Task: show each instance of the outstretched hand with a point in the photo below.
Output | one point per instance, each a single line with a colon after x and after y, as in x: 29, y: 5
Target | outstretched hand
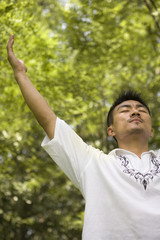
x: 17, y: 65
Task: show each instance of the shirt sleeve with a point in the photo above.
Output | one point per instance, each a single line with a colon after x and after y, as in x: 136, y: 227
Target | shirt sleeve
x: 69, y: 151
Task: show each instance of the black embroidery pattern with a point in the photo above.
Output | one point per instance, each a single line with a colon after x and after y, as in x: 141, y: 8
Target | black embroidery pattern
x: 144, y: 179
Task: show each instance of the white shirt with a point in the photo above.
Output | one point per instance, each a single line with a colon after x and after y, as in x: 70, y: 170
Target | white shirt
x: 121, y: 191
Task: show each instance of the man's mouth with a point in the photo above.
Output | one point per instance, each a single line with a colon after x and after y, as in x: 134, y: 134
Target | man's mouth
x: 135, y: 120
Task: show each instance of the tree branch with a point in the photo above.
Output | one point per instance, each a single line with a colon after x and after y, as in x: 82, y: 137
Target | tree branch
x: 154, y: 5
x: 148, y: 5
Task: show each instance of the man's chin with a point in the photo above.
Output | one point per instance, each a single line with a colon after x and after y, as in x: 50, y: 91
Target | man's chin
x: 136, y: 130
x: 139, y: 132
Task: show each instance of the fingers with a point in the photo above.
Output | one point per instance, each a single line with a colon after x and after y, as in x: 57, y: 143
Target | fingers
x: 10, y: 43
x: 11, y: 56
x: 17, y: 65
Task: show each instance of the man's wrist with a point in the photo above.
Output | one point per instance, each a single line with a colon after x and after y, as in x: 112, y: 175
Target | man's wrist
x: 19, y: 74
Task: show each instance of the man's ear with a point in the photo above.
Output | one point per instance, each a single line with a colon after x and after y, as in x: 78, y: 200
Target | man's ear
x: 151, y: 133
x: 110, y: 131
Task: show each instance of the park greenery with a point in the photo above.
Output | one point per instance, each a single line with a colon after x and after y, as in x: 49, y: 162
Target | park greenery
x: 80, y: 54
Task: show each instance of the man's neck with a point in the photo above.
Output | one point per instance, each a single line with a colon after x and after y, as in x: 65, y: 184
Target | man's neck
x: 135, y: 145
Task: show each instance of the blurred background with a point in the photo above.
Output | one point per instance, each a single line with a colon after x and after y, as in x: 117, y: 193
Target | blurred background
x: 80, y: 55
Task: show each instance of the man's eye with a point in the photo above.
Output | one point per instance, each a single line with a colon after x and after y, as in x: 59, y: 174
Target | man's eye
x: 124, y: 111
x: 143, y: 111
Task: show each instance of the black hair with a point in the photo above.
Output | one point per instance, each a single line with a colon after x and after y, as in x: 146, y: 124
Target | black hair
x: 127, y: 95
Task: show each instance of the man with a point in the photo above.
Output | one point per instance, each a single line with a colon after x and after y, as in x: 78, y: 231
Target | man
x: 121, y: 189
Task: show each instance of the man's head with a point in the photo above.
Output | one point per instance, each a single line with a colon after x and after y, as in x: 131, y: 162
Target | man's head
x: 128, y: 106
x: 127, y: 95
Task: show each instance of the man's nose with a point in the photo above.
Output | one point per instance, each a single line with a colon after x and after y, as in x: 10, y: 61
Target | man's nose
x: 135, y: 113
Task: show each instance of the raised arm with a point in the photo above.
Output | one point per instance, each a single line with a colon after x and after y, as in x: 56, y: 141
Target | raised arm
x: 38, y: 105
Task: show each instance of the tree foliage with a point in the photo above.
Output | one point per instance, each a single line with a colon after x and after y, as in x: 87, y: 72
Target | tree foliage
x: 80, y: 55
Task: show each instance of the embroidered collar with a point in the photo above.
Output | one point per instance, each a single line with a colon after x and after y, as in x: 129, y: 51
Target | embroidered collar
x: 144, y: 179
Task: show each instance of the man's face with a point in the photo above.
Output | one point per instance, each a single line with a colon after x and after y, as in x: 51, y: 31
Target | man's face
x: 130, y: 117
